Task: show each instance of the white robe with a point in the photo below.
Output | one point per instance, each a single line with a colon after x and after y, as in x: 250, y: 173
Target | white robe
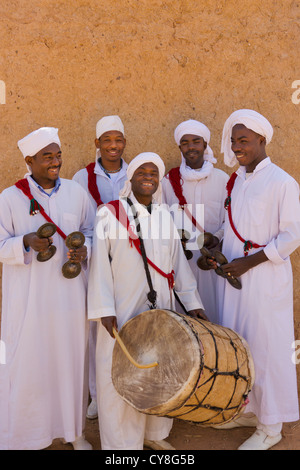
x: 265, y: 209
x: 44, y: 322
x: 120, y: 288
x: 210, y: 192
x: 109, y: 189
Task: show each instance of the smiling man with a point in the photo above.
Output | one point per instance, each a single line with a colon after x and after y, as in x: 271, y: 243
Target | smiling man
x: 262, y: 229
x: 119, y: 290
x: 43, y: 388
x: 199, y: 188
x: 103, y: 179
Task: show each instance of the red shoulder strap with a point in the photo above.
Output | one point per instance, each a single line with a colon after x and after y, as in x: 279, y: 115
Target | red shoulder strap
x: 176, y: 182
x: 248, y: 244
x: 35, y: 207
x: 92, y: 183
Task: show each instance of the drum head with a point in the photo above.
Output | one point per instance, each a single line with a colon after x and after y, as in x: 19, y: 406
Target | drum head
x: 157, y: 336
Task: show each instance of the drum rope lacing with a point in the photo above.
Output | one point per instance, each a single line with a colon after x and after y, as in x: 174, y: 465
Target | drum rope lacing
x: 215, y: 373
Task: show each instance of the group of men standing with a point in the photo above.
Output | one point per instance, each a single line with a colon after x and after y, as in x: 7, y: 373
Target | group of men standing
x: 124, y: 212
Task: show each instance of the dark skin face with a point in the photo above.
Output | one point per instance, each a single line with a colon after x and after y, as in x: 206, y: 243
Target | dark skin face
x: 111, y: 145
x: 248, y: 147
x: 45, y: 165
x: 192, y: 148
x: 144, y: 182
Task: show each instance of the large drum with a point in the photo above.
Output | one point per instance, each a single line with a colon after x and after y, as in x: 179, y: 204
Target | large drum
x: 204, y: 373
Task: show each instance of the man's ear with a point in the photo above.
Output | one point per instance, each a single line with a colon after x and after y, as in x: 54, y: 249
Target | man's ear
x: 28, y: 160
x: 97, y: 143
x: 263, y: 140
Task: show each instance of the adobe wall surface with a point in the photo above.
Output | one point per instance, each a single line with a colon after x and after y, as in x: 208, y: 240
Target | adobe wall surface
x: 153, y: 62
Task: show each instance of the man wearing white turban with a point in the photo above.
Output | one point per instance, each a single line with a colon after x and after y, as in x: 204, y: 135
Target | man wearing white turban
x: 103, y: 179
x: 200, y: 188
x: 118, y: 290
x: 43, y: 387
x: 262, y: 229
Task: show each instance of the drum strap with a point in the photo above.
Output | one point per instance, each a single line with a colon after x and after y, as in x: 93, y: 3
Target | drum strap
x: 35, y: 207
x: 152, y: 295
x: 92, y: 184
x: 116, y: 207
x: 176, y: 183
x: 248, y: 244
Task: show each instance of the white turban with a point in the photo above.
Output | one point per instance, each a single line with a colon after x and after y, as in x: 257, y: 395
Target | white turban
x: 253, y: 121
x: 109, y: 123
x: 37, y: 140
x: 195, y: 128
x: 144, y: 157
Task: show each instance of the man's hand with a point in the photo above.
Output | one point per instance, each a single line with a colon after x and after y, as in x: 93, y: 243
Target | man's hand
x: 36, y: 243
x: 109, y: 323
x: 239, y: 266
x: 77, y: 255
x: 198, y: 313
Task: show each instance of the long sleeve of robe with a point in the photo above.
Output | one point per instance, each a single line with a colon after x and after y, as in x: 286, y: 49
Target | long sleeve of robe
x: 205, y: 199
x: 266, y: 210
x: 118, y: 286
x: 43, y: 322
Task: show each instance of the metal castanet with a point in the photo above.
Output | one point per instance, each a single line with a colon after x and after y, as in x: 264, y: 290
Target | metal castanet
x: 185, y: 236
x: 218, y: 256
x: 46, y: 230
x: 72, y: 269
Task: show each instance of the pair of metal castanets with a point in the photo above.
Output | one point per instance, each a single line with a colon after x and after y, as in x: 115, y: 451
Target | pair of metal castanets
x: 205, y: 239
x: 219, y: 258
x: 74, y: 240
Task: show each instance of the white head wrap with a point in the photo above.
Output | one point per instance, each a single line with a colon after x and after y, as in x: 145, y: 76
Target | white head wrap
x: 253, y: 121
x: 144, y: 157
x: 37, y: 140
x: 195, y: 128
x: 106, y: 124
x: 109, y: 123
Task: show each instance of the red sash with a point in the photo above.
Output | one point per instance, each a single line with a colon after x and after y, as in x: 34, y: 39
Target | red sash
x: 176, y: 182
x: 248, y: 244
x: 92, y: 184
x: 35, y: 207
x: 116, y: 207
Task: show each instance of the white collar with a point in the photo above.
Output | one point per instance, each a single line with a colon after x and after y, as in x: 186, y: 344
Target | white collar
x: 261, y: 165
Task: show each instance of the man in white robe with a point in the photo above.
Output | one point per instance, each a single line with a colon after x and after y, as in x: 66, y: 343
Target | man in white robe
x: 118, y: 291
x: 262, y: 229
x: 103, y: 180
x: 43, y: 388
x: 204, y: 189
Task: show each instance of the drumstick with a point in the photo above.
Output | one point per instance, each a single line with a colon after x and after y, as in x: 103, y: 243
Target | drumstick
x: 123, y: 347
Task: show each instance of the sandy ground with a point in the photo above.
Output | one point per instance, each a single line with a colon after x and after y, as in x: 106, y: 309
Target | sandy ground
x: 185, y: 436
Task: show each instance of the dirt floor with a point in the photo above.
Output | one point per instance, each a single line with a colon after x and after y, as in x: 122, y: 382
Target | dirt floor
x: 185, y: 436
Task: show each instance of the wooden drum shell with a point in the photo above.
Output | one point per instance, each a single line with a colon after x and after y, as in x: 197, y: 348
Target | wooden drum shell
x: 204, y: 374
